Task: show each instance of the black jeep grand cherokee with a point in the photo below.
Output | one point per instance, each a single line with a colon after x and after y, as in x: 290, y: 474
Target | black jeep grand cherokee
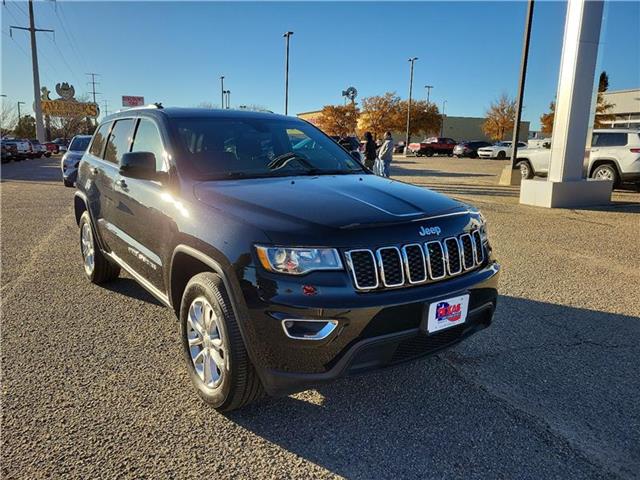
x: 287, y: 263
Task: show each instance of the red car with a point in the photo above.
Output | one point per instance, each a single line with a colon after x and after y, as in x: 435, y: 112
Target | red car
x: 432, y: 146
x: 52, y: 147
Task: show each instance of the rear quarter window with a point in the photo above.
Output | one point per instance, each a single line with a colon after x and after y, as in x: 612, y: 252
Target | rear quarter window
x: 99, y: 140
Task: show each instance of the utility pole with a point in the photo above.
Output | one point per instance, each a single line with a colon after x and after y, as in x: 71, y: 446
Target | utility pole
x: 406, y: 143
x: 222, y: 91
x: 93, y: 84
x: 442, y: 123
x: 287, y: 36
x: 37, y: 104
x: 523, y: 76
x: 106, y: 107
x: 19, y: 103
x: 428, y: 87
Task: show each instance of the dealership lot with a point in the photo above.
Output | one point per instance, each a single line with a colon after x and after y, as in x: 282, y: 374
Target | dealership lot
x: 94, y: 383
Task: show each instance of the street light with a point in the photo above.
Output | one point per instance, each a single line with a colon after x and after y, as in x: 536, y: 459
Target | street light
x: 406, y: 143
x: 19, y: 103
x: 228, y: 92
x: 442, y: 122
x: 221, y: 91
x: 428, y: 87
x: 286, y: 35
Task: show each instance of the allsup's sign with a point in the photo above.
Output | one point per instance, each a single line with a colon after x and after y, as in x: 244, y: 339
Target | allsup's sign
x: 66, y: 105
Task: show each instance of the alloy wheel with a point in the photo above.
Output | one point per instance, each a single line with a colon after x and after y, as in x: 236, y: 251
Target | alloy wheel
x: 604, y: 174
x: 206, y: 347
x: 88, y: 249
x: 524, y: 170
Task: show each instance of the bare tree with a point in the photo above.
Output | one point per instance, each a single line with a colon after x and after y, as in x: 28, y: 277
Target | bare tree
x: 8, y: 118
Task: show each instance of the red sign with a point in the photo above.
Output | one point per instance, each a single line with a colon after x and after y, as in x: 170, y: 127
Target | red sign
x: 129, y: 101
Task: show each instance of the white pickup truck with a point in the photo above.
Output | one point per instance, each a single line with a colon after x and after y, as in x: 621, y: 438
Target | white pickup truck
x: 23, y: 148
x: 614, y: 155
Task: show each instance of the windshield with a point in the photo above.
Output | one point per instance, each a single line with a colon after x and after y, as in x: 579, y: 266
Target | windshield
x: 218, y: 148
x: 79, y: 144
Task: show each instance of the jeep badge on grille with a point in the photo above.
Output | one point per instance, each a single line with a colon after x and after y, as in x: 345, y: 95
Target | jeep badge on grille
x: 425, y: 231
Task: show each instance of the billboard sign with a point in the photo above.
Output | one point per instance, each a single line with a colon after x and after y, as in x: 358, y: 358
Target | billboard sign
x: 129, y: 101
x: 66, y: 106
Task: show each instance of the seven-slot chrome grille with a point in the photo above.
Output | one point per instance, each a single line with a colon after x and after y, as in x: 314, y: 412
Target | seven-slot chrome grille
x: 415, y: 263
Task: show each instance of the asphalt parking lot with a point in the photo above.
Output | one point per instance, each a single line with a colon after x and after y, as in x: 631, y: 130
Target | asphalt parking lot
x: 94, y: 386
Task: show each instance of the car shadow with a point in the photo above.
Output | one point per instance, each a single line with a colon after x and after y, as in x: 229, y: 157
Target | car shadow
x: 543, y: 377
x: 397, y: 171
x: 131, y: 288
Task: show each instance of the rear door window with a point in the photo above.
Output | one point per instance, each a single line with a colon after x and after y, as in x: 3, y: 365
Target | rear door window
x: 605, y: 139
x: 99, y: 140
x: 119, y: 140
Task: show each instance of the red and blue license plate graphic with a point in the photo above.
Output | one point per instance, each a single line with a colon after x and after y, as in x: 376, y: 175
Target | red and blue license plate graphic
x: 447, y: 312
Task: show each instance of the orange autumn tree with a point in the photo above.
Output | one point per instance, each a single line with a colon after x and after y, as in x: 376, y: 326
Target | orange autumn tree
x: 340, y: 120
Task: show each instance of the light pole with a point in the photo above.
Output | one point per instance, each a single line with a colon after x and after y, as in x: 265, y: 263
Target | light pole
x: 222, y: 91
x: 286, y: 35
x: 442, y: 122
x: 523, y: 76
x: 406, y: 143
x: 19, y: 103
x: 428, y: 87
x: 228, y: 92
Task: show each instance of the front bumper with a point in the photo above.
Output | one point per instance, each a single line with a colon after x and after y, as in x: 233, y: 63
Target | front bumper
x: 374, y: 330
x: 485, y: 154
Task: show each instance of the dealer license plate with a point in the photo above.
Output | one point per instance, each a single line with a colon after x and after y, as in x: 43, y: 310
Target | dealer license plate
x: 447, y: 313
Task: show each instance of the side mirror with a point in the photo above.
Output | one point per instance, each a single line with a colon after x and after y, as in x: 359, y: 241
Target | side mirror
x: 546, y: 145
x: 139, y: 165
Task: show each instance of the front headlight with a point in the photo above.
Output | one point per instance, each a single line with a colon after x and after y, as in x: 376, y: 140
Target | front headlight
x: 298, y: 261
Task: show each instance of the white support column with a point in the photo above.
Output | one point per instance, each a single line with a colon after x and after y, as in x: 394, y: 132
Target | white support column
x: 565, y: 185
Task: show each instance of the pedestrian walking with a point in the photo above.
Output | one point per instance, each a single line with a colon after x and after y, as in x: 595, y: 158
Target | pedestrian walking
x: 370, y: 151
x: 385, y: 155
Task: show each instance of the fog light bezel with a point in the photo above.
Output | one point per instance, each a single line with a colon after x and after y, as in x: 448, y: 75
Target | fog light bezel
x: 322, y: 333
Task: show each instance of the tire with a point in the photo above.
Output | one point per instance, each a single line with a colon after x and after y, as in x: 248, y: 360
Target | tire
x: 606, y: 171
x: 67, y: 183
x: 501, y: 155
x: 526, y: 172
x: 97, y: 267
x: 429, y: 153
x: 231, y: 381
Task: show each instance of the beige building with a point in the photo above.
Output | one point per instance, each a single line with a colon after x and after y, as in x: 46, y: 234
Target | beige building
x: 626, y: 108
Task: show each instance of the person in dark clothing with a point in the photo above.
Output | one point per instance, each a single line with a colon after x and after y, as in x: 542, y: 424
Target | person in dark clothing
x: 370, y: 151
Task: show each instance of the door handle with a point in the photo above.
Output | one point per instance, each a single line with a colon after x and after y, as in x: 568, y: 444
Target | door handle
x: 93, y: 170
x: 121, y: 183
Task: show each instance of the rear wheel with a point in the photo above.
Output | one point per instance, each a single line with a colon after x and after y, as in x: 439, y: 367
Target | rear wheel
x: 606, y: 172
x: 217, y: 359
x: 526, y: 171
x: 97, y: 267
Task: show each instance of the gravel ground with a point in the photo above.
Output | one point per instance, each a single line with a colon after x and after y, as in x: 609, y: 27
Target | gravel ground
x: 93, y: 384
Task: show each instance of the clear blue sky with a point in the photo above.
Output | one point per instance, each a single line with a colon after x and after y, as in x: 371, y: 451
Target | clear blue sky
x: 174, y: 52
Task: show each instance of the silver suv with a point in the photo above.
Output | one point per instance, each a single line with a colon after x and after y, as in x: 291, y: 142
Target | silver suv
x: 614, y: 155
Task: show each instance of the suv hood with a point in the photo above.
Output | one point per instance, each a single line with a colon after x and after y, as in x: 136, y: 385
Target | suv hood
x: 330, y: 201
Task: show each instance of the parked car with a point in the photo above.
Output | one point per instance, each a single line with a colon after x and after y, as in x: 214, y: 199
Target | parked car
x: 39, y: 149
x: 53, y: 148
x: 9, y: 151
x: 432, y: 146
x: 71, y: 159
x: 614, y: 155
x: 287, y: 267
x: 499, y: 150
x: 22, y: 148
x: 469, y: 149
x: 62, y: 143
x: 398, y: 147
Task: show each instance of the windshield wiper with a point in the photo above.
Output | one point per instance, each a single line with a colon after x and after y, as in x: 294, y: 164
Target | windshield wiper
x: 280, y: 160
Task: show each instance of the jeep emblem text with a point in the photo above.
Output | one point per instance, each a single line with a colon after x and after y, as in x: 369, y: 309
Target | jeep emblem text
x: 424, y: 231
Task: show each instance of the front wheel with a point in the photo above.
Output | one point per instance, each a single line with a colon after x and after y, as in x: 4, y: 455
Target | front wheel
x: 606, y: 172
x: 97, y: 267
x: 501, y: 155
x: 217, y: 359
x: 429, y: 153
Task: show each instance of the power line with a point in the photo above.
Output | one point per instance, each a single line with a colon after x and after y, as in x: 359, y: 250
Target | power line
x: 69, y: 34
